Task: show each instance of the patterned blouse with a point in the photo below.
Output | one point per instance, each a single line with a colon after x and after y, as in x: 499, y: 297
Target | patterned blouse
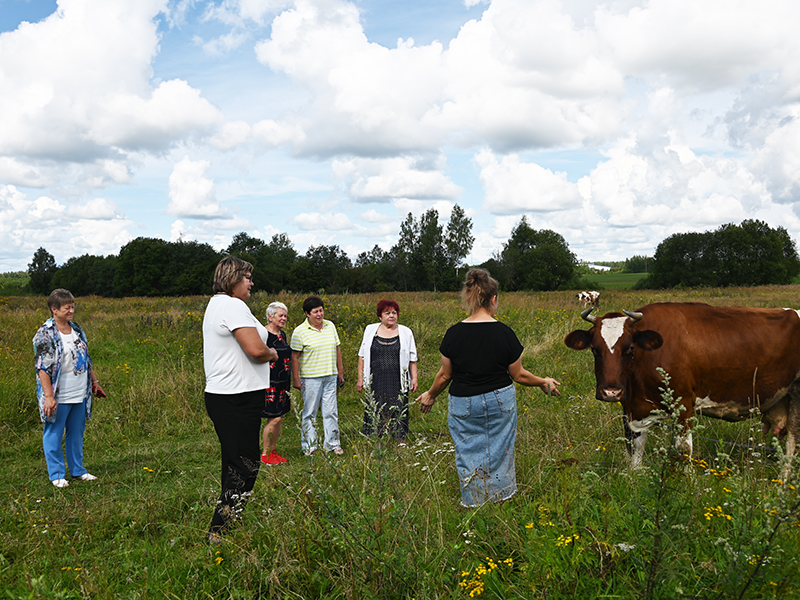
x: 47, y: 348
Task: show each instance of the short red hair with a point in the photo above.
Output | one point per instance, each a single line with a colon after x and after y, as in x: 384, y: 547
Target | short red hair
x: 384, y: 304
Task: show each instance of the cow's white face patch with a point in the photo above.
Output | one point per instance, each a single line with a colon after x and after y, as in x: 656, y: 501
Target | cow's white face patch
x: 611, y: 330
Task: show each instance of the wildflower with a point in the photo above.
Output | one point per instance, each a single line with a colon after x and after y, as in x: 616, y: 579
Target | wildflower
x: 565, y: 541
x: 711, y: 511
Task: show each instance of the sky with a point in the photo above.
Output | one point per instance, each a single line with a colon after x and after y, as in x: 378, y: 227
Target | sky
x: 615, y: 124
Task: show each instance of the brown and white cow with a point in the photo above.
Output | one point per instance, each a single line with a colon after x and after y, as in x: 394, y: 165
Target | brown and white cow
x: 723, y: 362
x: 589, y: 299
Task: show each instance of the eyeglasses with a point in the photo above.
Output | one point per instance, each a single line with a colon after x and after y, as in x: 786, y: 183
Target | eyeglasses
x: 248, y: 276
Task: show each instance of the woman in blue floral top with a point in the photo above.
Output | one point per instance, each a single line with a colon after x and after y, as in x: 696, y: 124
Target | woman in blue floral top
x: 65, y: 383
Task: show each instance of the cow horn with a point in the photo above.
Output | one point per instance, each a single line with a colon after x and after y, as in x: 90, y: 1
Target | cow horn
x: 633, y: 315
x: 587, y: 316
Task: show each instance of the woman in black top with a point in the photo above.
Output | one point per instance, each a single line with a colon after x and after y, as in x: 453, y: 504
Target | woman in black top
x: 277, y: 401
x: 483, y: 358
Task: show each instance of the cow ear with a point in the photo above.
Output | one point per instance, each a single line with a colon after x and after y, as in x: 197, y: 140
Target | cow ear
x: 578, y: 339
x: 648, y: 339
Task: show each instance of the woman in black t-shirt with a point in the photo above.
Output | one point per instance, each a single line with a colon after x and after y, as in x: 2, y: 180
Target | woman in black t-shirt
x: 483, y: 358
x: 277, y: 401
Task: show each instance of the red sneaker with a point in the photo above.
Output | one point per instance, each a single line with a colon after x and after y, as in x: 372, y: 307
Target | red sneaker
x: 273, y: 459
x: 264, y: 459
x: 277, y: 457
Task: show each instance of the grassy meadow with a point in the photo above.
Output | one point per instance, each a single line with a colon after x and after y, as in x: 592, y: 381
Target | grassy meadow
x: 381, y: 521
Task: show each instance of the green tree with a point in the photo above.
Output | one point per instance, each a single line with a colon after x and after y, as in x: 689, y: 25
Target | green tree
x: 140, y: 267
x: 275, y: 262
x: 402, y: 254
x: 427, y: 256
x: 372, y: 272
x: 748, y: 254
x: 684, y: 259
x: 190, y: 269
x: 430, y: 257
x: 243, y: 243
x: 41, y: 270
x: 87, y: 275
x: 636, y: 264
x: 154, y: 267
x: 536, y: 260
x: 458, y: 241
x: 322, y: 267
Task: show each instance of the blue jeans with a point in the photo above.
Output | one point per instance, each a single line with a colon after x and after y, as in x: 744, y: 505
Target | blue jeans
x: 484, y: 430
x: 70, y: 418
x: 320, y: 391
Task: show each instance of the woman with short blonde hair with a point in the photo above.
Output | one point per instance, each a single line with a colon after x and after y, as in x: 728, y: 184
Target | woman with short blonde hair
x: 235, y: 358
x: 483, y: 358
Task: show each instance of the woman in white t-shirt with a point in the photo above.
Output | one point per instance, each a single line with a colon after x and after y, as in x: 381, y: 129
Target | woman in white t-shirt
x: 65, y: 383
x: 236, y: 360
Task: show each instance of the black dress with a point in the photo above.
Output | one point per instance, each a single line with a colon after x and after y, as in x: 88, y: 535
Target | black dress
x: 387, y: 404
x: 277, y: 402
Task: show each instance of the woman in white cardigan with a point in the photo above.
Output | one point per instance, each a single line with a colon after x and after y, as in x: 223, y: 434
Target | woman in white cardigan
x: 387, y: 372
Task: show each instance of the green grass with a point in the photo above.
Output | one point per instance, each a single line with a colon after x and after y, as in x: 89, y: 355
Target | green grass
x: 379, y: 522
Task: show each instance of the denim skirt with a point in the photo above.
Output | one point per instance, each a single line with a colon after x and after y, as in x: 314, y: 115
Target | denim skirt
x: 484, y: 430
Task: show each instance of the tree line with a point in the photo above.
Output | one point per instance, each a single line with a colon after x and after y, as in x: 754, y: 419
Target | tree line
x: 428, y: 256
x: 733, y: 255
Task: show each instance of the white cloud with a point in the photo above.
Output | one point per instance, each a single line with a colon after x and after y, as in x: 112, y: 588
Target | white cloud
x: 523, y: 75
x: 701, y: 44
x: 96, y: 209
x: 274, y: 133
x: 237, y: 12
x: 512, y: 186
x: 192, y: 194
x: 380, y: 180
x: 231, y: 135
x: 66, y: 230
x: 373, y: 216
x: 323, y: 222
x: 77, y: 89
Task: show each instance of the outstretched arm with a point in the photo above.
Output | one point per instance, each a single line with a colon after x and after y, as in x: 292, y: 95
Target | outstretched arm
x: 440, y: 382
x: 524, y: 377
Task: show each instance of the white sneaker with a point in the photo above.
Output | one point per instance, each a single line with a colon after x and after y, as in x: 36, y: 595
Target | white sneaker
x: 86, y: 477
x: 60, y: 483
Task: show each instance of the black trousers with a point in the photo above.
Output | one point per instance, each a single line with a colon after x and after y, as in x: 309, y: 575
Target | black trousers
x: 237, y: 420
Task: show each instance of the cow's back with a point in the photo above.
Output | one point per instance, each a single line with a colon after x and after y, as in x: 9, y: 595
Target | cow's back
x: 729, y: 358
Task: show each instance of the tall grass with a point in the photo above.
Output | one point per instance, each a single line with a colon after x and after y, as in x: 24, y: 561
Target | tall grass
x: 381, y: 521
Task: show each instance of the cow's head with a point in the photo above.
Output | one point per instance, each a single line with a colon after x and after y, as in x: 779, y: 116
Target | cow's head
x: 613, y: 338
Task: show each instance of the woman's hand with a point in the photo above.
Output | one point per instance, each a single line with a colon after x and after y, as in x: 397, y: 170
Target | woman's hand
x: 426, y: 402
x: 360, y: 385
x: 550, y: 386
x: 50, y: 406
x: 97, y: 390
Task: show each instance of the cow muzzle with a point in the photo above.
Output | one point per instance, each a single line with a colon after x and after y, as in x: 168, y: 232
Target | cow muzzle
x: 610, y: 394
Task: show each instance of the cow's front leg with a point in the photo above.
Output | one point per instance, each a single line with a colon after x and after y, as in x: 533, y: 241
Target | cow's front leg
x: 639, y: 442
x: 684, y: 443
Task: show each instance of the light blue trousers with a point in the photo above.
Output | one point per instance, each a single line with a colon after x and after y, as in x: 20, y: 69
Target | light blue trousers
x: 484, y: 431
x: 320, y: 392
x: 70, y: 419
